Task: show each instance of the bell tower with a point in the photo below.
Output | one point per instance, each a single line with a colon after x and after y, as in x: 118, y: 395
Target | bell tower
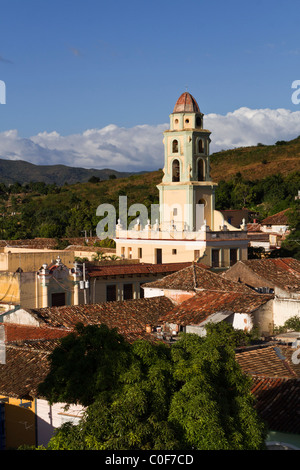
x: 186, y: 192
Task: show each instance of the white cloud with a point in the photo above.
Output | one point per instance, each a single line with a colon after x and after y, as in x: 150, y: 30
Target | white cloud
x: 141, y: 147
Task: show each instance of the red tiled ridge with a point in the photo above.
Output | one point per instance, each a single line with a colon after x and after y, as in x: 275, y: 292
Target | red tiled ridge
x: 17, y: 332
x: 282, y: 272
x: 128, y: 316
x: 198, y: 308
x: 194, y: 278
x: 139, y: 268
x: 281, y: 218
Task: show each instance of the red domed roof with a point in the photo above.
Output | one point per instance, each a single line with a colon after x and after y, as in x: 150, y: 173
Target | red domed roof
x: 186, y: 104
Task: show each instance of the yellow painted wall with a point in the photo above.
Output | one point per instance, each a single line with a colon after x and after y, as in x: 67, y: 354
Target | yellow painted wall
x: 31, y: 260
x: 20, y: 427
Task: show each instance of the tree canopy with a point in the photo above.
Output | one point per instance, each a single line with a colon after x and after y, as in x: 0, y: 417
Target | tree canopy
x: 152, y: 396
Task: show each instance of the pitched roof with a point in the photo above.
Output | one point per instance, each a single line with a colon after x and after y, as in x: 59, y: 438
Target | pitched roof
x: 199, y: 308
x: 130, y: 317
x: 194, y: 278
x: 23, y: 371
x: 281, y: 218
x: 272, y: 361
x: 132, y: 269
x: 281, y: 272
x: 275, y: 385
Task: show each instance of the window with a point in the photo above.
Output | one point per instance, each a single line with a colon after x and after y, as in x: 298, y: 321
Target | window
x: 175, y: 211
x: 215, y: 258
x: 200, y: 169
x: 198, y: 121
x: 158, y: 255
x: 111, y: 293
x: 174, y: 251
x: 128, y: 291
x: 233, y: 256
x: 175, y: 171
x: 200, y: 146
x: 140, y: 252
x: 175, y: 146
x: 58, y: 299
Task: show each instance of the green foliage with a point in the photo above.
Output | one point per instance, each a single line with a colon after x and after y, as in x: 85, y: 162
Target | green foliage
x: 192, y: 395
x: 265, y: 196
x: 87, y: 363
x: 292, y: 324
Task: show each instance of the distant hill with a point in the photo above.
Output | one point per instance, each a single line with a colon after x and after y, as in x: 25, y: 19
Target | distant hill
x: 254, y: 163
x: 257, y: 162
x: 12, y: 171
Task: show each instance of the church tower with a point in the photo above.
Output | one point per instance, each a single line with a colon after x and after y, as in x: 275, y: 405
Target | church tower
x: 188, y: 227
x: 186, y: 193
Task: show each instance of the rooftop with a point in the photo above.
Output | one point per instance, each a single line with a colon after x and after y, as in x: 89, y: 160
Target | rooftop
x: 194, y: 278
x: 275, y: 385
x: 138, y: 268
x: 186, y: 103
x: 130, y: 317
x: 199, y: 308
x: 281, y: 272
x: 281, y: 218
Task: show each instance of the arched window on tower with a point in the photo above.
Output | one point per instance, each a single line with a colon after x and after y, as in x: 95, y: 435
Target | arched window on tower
x: 200, y: 170
x: 200, y: 146
x: 175, y: 171
x: 175, y: 146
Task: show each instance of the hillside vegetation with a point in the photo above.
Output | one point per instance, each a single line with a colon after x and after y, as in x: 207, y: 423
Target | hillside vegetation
x: 257, y: 162
x: 53, y: 211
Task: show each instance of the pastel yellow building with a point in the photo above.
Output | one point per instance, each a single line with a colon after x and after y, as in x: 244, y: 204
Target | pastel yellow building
x: 187, y: 228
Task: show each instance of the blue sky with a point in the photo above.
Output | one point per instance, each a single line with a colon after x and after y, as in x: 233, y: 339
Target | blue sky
x: 72, y: 66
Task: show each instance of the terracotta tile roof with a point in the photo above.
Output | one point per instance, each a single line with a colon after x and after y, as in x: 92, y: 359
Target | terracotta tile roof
x: 281, y: 272
x: 195, y: 278
x: 281, y: 218
x: 253, y: 227
x: 275, y: 385
x: 24, y: 370
x: 197, y: 309
x: 186, y: 103
x: 17, y: 332
x: 278, y: 403
x: 130, y: 317
x: 132, y: 269
x: 268, y: 361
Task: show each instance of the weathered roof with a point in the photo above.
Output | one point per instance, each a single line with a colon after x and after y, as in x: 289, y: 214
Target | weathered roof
x: 130, y: 317
x: 194, y: 278
x: 271, y: 361
x: 281, y: 272
x: 281, y: 218
x: 275, y: 385
x: 134, y: 269
x: 200, y: 307
x: 186, y: 103
x: 24, y: 370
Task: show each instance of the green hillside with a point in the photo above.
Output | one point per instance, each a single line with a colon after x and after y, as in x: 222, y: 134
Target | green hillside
x: 257, y: 162
x: 12, y: 171
x: 265, y: 179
